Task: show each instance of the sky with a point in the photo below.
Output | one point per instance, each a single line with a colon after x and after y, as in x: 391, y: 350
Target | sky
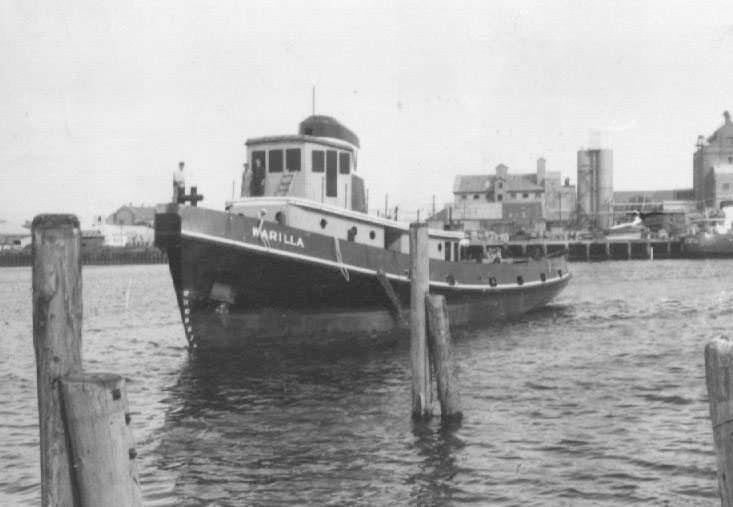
x: 100, y: 100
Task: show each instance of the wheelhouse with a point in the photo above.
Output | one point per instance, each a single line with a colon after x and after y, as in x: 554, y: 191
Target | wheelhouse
x: 309, y: 181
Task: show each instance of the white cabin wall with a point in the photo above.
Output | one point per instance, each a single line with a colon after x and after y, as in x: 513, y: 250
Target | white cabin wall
x: 335, y: 226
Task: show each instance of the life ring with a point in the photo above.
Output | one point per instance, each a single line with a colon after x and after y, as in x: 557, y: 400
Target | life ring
x: 520, y: 280
x: 492, y: 281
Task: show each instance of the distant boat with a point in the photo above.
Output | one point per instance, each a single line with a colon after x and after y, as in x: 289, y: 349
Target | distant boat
x: 631, y: 230
x: 711, y: 237
x: 298, y: 257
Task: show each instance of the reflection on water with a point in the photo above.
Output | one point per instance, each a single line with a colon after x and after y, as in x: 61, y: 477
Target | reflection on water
x: 597, y: 399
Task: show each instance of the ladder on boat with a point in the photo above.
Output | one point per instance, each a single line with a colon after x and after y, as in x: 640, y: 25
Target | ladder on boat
x: 285, y: 183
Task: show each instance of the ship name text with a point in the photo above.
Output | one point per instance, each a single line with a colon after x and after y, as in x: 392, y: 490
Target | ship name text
x: 278, y: 237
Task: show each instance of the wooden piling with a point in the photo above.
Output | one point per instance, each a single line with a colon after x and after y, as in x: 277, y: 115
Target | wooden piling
x: 419, y: 287
x: 100, y: 441
x: 719, y: 380
x: 57, y: 314
x: 440, y: 352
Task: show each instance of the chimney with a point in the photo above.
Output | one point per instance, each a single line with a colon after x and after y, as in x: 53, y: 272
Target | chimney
x: 726, y: 115
x: 540, y: 171
x: 501, y: 171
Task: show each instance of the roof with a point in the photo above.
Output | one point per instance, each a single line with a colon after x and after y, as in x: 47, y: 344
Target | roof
x: 8, y: 229
x: 296, y: 138
x: 139, y: 213
x: 325, y: 126
x: 472, y: 183
x: 478, y: 183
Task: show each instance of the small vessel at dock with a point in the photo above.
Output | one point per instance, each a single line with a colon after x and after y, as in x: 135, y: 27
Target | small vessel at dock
x: 711, y: 237
x: 298, y: 257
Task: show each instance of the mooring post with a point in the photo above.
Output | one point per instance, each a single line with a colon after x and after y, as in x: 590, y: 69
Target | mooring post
x: 719, y: 380
x: 57, y: 310
x: 587, y: 251
x: 101, y: 445
x: 419, y: 287
x: 440, y: 352
x: 628, y: 250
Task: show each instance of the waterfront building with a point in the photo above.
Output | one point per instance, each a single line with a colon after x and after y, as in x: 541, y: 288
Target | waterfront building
x: 712, y: 166
x: 507, y: 203
x: 13, y: 237
x: 595, y: 188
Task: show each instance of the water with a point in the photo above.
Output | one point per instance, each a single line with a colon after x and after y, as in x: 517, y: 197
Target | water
x: 599, y: 399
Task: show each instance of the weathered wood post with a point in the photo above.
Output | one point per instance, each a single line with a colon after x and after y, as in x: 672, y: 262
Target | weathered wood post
x: 628, y: 250
x: 608, y: 250
x: 440, y: 351
x: 419, y: 287
x: 719, y: 380
x: 57, y: 311
x: 587, y: 251
x: 101, y: 445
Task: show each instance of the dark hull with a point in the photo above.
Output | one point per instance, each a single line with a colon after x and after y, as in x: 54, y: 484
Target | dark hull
x: 233, y: 289
x: 716, y: 246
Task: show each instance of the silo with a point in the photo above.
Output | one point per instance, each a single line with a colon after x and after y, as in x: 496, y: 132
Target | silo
x: 604, y: 189
x: 585, y: 194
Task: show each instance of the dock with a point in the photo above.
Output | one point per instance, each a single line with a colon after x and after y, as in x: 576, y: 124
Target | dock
x: 597, y: 249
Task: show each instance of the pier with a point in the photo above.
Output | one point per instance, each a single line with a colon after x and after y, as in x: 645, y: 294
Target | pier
x: 597, y: 249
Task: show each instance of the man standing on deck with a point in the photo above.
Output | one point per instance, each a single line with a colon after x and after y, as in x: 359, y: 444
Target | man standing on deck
x: 179, y: 183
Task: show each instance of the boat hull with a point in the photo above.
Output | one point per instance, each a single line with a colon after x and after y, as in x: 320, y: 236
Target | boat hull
x: 712, y: 246
x: 234, y: 288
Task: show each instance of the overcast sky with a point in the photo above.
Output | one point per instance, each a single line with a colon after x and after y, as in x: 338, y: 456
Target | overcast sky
x: 100, y: 100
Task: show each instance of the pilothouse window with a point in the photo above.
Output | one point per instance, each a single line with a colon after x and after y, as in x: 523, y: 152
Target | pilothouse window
x: 276, y: 161
x: 344, y: 162
x: 318, y: 161
x: 292, y: 159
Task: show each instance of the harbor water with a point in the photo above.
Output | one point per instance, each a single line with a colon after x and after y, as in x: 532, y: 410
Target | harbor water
x: 598, y: 399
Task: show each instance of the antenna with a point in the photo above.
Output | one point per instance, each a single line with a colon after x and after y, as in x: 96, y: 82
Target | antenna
x: 313, y: 101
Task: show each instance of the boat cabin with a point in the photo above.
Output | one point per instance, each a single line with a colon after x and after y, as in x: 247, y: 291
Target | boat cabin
x: 308, y: 181
x: 319, y: 164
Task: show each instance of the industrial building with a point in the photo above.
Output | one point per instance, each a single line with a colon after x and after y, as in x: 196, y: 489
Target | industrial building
x: 712, y: 166
x: 595, y: 188
x: 509, y: 203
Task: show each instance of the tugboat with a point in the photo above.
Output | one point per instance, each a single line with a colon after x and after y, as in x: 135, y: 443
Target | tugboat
x: 711, y: 237
x: 299, y: 258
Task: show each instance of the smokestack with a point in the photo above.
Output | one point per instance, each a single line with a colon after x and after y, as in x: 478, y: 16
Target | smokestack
x: 726, y: 115
x: 540, y: 170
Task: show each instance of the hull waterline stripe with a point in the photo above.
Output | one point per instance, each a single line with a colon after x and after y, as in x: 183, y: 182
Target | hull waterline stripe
x: 359, y: 269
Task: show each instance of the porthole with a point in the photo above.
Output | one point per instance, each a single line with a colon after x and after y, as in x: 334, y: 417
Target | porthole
x: 440, y: 247
x: 323, y: 223
x: 559, y: 273
x: 279, y: 217
x: 372, y: 235
x: 543, y: 277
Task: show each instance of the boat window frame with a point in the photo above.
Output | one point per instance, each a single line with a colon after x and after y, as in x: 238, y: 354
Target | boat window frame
x: 270, y: 167
x: 344, y: 155
x: 299, y: 158
x: 318, y: 155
